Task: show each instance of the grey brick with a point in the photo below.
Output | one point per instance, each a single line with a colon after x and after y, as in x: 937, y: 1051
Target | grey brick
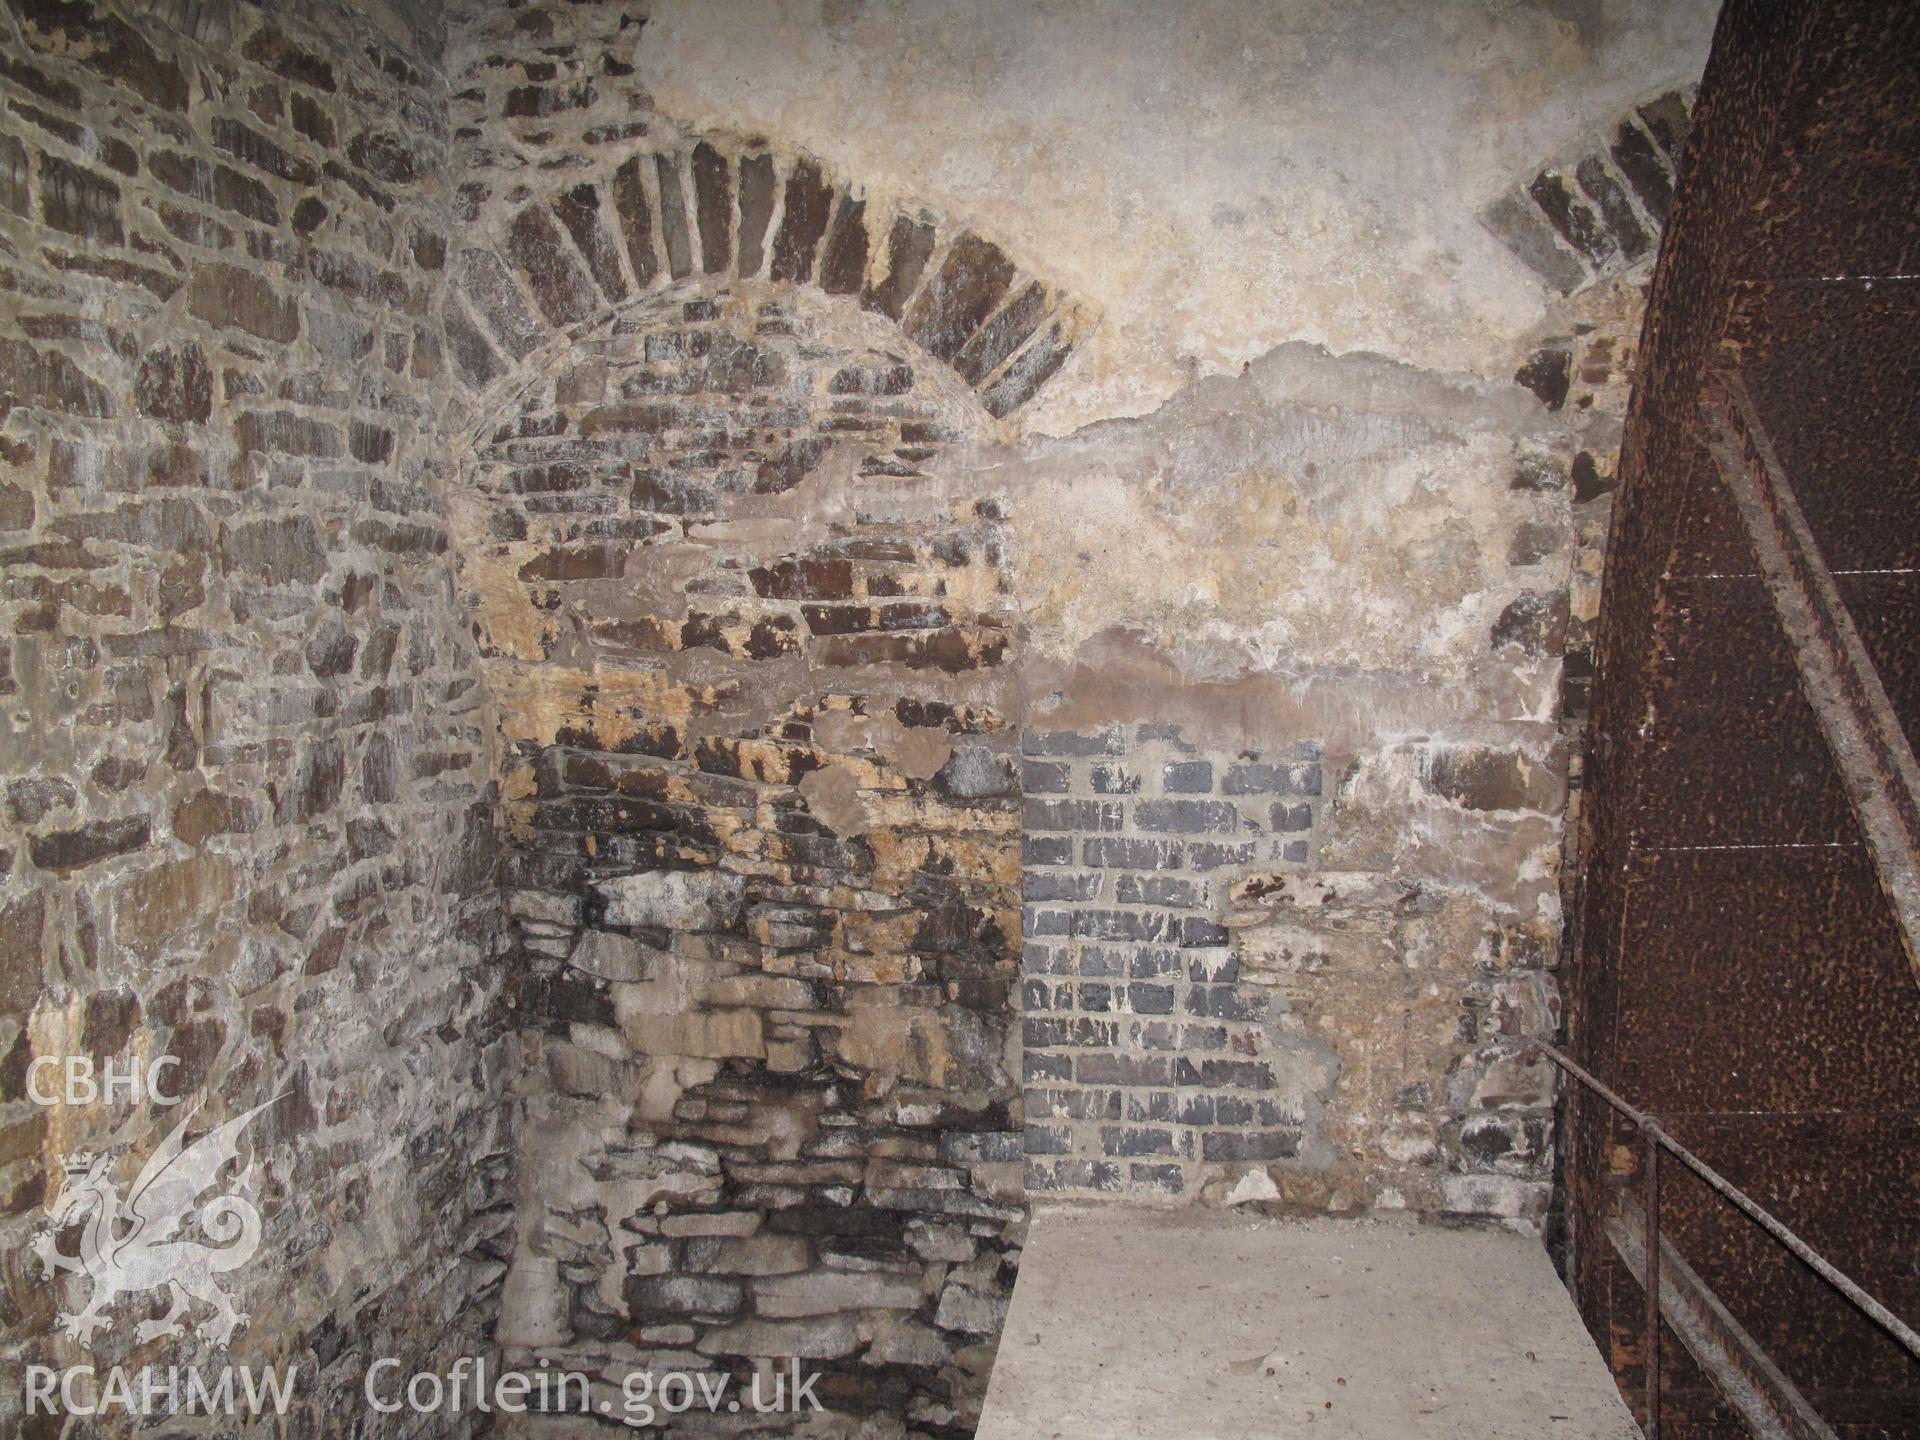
x: 1045, y: 777
x: 1071, y: 815
x: 1114, y: 780
x: 1153, y: 1035
x: 1060, y: 1032
x: 1045, y: 1034
x: 1288, y: 818
x: 1232, y: 1110
x: 1047, y: 849
x: 1077, y: 1104
x: 1122, y: 1070
x: 1071, y: 742
x: 974, y: 773
x: 1041, y: 1176
x: 1636, y: 158
x: 1121, y: 924
x: 1045, y: 960
x: 1072, y: 1175
x: 1669, y: 121
x: 682, y: 1295
x: 1249, y: 1145
x: 1207, y: 855
x: 1187, y: 777
x: 1155, y: 1106
x: 1114, y: 854
x: 1096, y: 998
x: 1048, y: 1140
x: 1073, y: 1104
x: 1210, y: 967
x: 980, y: 1147
x: 1148, y: 964
x: 1185, y: 817
x: 1046, y: 1067
x: 1135, y: 1141
x: 1253, y: 779
x: 1048, y: 885
x: 1197, y: 931
x: 1247, y: 778
x: 1169, y: 1178
x: 1575, y: 221
x: 1090, y: 1033
x: 1150, y: 999
x: 1034, y: 921
x: 1224, y: 1074
x: 1525, y: 231
x: 1169, y: 890
x: 1605, y: 192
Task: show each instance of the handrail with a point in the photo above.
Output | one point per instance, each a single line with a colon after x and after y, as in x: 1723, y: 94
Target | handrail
x: 1875, y: 1311
x: 1658, y: 1139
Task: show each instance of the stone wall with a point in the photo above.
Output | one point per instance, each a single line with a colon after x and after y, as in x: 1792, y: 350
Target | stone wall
x: 1328, y: 640
x: 760, y: 785
x: 1588, y: 223
x: 250, y: 798
x: 551, y: 633
x: 1583, y: 369
x: 1329, y: 597
x: 1282, y: 660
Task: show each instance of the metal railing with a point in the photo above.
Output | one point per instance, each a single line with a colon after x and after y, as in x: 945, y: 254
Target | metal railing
x: 1657, y: 1139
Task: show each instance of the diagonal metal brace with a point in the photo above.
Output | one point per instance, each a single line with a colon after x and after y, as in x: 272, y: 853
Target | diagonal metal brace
x: 1870, y: 747
x: 1766, y: 1400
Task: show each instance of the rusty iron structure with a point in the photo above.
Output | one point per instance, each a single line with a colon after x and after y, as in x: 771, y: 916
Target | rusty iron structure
x: 1766, y: 1399
x: 1836, y: 673
x: 1746, y: 915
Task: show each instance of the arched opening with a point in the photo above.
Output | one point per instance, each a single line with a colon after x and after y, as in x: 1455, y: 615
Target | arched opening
x: 757, y: 729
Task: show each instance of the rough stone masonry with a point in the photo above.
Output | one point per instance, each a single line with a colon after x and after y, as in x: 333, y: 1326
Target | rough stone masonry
x: 544, y: 632
x: 249, y: 817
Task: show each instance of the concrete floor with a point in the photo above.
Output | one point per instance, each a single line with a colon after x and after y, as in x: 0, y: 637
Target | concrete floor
x: 1211, y: 1325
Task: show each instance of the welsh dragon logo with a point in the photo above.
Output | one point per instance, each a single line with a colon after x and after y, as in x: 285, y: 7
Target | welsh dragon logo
x: 145, y: 1242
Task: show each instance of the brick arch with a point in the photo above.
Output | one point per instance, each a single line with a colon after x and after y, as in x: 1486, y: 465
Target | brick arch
x: 676, y: 411
x: 747, y: 647
x: 699, y: 215
x: 1597, y: 208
